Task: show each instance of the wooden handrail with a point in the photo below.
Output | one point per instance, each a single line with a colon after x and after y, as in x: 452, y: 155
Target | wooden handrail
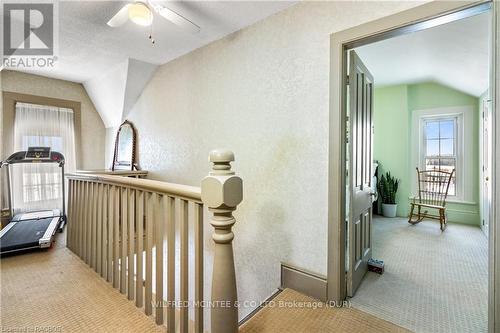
x: 192, y: 193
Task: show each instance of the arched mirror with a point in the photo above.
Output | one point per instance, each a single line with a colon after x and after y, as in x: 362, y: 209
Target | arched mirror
x: 124, y: 155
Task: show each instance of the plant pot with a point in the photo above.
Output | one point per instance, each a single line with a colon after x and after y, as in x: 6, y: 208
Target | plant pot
x: 389, y: 210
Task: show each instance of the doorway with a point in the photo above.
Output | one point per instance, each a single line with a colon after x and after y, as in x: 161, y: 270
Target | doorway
x: 342, y: 272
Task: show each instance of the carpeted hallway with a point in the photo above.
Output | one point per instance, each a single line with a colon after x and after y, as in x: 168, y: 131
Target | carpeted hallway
x: 433, y: 281
x: 54, y: 291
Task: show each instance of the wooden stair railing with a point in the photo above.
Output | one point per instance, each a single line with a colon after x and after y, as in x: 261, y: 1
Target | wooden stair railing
x: 112, y: 219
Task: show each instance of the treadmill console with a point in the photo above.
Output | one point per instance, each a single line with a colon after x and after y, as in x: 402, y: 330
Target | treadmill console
x: 38, y: 153
x: 35, y: 155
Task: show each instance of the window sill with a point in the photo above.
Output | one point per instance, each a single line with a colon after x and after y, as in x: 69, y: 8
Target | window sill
x: 457, y: 201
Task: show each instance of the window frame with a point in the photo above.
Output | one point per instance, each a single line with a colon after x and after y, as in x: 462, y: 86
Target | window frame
x: 465, y: 164
x: 457, y: 148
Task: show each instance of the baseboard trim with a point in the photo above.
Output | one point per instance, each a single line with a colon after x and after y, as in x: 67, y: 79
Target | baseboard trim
x: 260, y: 307
x: 306, y: 282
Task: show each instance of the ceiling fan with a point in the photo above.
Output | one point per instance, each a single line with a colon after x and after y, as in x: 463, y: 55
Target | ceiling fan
x: 141, y: 13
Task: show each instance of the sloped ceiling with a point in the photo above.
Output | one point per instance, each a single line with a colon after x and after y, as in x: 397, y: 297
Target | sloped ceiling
x: 139, y: 73
x: 455, y: 54
x: 115, y: 91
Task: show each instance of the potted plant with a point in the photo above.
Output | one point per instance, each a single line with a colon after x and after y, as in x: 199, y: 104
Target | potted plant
x: 387, y: 188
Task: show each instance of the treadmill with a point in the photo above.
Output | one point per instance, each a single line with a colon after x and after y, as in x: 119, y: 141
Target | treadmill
x: 36, y: 229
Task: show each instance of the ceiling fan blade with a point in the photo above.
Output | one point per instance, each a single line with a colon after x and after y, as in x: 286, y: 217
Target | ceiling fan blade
x: 177, y: 19
x: 120, y: 18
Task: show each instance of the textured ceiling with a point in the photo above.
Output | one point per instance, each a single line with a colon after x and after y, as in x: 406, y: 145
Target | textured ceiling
x: 115, y: 64
x: 455, y: 54
x: 88, y: 47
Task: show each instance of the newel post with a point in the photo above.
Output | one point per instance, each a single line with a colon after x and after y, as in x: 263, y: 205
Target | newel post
x: 222, y: 191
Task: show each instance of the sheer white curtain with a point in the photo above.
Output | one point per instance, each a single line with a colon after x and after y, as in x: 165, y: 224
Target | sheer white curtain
x: 38, y: 186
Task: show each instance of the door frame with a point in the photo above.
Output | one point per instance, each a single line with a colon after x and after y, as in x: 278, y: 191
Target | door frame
x: 485, y: 101
x: 415, y: 19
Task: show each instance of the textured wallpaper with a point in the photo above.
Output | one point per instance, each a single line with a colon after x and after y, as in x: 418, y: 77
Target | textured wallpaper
x: 262, y: 92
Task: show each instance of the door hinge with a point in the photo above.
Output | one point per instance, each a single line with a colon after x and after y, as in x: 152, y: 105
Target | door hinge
x: 347, y: 80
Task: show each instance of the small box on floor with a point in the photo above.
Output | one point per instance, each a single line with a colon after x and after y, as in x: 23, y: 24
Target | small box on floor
x: 376, y: 266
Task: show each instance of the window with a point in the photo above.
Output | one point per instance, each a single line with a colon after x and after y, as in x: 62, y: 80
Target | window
x: 440, y: 147
x: 39, y: 184
x: 443, y: 138
x: 54, y: 142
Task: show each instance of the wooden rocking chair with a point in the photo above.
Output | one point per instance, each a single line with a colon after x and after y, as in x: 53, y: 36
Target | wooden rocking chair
x: 433, y: 186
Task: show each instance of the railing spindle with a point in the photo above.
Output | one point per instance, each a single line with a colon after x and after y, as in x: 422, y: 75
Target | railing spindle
x: 88, y: 223
x: 93, y: 245
x: 123, y: 228
x: 169, y: 209
x: 104, y: 250
x: 110, y: 232
x: 198, y: 267
x: 140, y: 249
x: 116, y: 236
x: 149, y: 252
x: 131, y: 243
x: 76, y: 248
x: 99, y: 229
x: 69, y: 241
x: 81, y: 218
x: 184, y: 238
x: 74, y: 215
x: 159, y: 259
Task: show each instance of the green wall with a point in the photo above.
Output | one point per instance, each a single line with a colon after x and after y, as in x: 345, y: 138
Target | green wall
x: 391, y: 139
x: 393, y: 106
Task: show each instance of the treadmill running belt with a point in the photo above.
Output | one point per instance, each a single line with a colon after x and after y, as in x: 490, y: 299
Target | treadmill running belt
x: 24, y: 234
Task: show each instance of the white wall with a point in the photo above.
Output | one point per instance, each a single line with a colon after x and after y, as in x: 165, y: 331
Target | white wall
x: 262, y: 92
x: 92, y: 128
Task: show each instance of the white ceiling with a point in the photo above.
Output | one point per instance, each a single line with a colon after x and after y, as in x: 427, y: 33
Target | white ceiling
x: 88, y: 47
x: 115, y: 64
x: 455, y: 54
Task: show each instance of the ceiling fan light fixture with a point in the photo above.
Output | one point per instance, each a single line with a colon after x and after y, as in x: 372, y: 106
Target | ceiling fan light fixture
x: 140, y: 14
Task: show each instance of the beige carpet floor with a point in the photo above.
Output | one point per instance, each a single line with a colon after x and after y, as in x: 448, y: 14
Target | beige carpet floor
x: 54, y: 291
x: 433, y: 282
x: 292, y: 312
